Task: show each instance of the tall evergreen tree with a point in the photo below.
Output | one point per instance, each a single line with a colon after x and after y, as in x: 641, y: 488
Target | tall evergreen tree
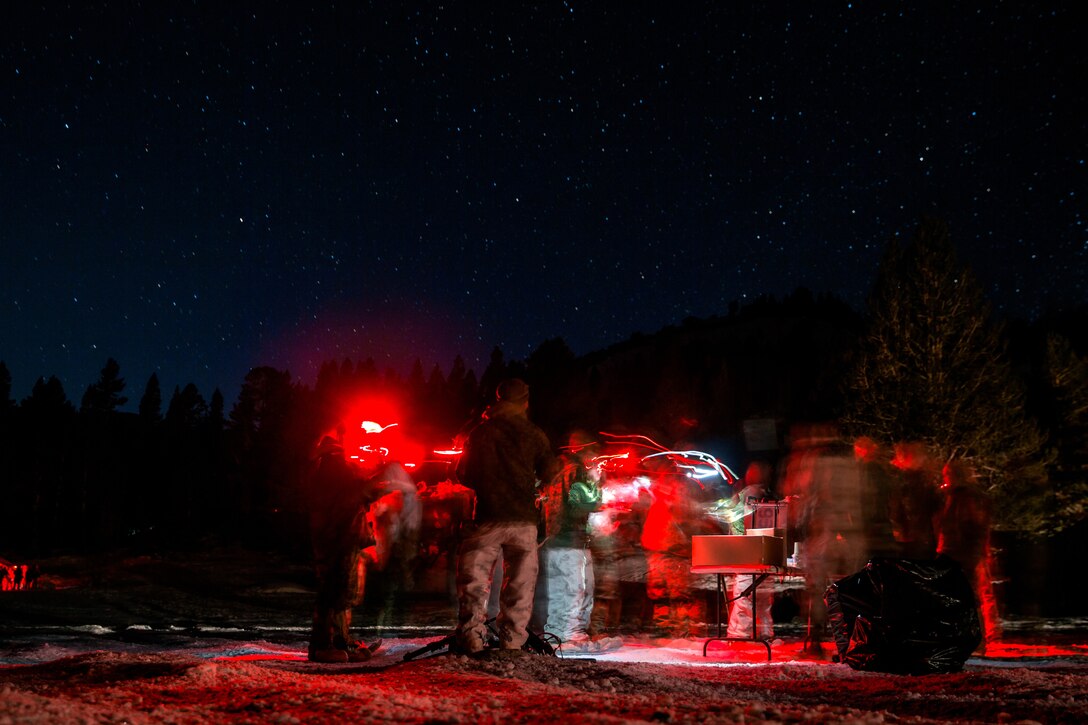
x: 105, y: 396
x: 493, y: 374
x: 187, y: 408
x: 151, y: 402
x: 417, y: 381
x: 270, y: 457
x: 216, y: 415
x: 47, y: 396
x: 5, y: 387
x: 932, y: 368
x: 47, y: 443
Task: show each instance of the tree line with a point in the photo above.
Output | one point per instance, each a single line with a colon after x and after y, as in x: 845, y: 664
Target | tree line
x: 927, y: 361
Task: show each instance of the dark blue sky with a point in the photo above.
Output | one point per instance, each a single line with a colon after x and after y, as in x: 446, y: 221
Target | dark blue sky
x: 198, y: 188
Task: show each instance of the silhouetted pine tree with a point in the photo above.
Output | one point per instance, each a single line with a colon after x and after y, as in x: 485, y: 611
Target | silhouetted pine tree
x: 493, y: 374
x: 549, y: 370
x: 48, y: 424
x: 455, y: 404
x: 13, y: 485
x: 932, y: 368
x: 216, y: 418
x: 151, y: 402
x: 105, y: 395
x: 187, y: 408
x: 104, y: 471
x: 6, y: 402
x: 271, y: 462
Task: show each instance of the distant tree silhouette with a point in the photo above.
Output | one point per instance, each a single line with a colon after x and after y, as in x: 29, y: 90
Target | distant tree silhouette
x: 46, y: 492
x: 187, y: 408
x: 216, y: 418
x: 105, y: 396
x: 457, y: 397
x: 456, y: 379
x: 272, y: 452
x: 470, y: 394
x: 184, y: 466
x: 367, y: 376
x: 104, y: 479
x: 151, y: 402
x: 416, y: 378
x: 6, y: 401
x: 549, y: 371
x: 13, y: 486
x: 493, y: 374
x: 932, y: 368
x: 47, y: 397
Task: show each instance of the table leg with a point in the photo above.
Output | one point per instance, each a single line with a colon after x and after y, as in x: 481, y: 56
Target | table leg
x: 751, y: 593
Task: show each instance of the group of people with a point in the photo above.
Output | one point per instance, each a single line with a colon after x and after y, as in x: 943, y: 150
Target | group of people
x: 17, y: 576
x: 565, y: 554
x: 852, y: 501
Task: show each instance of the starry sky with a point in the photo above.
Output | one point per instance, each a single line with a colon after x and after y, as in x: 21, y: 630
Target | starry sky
x: 197, y: 188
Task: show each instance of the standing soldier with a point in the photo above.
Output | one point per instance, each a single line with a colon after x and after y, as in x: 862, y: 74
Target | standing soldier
x: 505, y: 457
x: 345, y: 544
x: 339, y: 533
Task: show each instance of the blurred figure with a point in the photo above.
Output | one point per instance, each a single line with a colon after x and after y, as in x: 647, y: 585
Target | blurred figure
x: 339, y: 533
x: 916, y: 501
x: 565, y: 586
x: 964, y: 535
x: 396, y: 517
x: 756, y: 486
x: 619, y: 562
x: 672, y: 519
x: 505, y: 457
x: 880, y: 488
x: 826, y: 481
x: 606, y: 615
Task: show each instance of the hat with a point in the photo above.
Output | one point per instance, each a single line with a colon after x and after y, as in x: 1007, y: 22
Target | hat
x: 512, y: 390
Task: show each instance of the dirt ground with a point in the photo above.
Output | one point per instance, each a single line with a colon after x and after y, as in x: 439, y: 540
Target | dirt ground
x: 217, y: 637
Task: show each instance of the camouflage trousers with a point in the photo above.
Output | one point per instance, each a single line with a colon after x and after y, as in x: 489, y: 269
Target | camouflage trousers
x: 341, y: 580
x: 565, y: 591
x: 516, y: 542
x: 678, y: 608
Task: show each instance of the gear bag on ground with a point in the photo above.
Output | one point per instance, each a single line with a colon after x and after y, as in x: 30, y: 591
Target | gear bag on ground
x: 904, y: 616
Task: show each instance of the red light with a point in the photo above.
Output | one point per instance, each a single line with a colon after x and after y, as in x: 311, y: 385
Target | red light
x: 373, y: 435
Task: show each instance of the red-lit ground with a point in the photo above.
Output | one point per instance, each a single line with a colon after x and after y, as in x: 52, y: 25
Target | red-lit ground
x: 212, y: 639
x: 191, y: 687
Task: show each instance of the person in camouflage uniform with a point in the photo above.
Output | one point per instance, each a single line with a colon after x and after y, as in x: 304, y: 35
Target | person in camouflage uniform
x: 339, y: 533
x: 505, y: 457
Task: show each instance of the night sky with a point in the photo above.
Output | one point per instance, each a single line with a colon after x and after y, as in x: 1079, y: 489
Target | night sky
x: 196, y: 188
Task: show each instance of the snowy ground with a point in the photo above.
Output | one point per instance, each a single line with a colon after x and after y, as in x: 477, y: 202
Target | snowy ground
x: 220, y: 637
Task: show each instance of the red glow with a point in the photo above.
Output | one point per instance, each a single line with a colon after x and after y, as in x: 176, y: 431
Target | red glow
x: 264, y: 656
x: 910, y: 456
x: 372, y: 433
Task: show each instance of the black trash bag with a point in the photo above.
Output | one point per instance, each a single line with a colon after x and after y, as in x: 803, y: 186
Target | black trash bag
x: 904, y: 616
